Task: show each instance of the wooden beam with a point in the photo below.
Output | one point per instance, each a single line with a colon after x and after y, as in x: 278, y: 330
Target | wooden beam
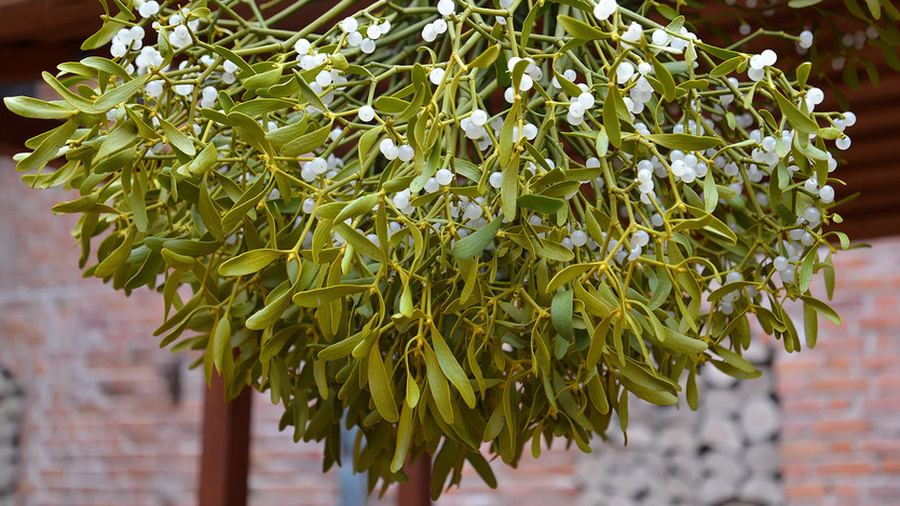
x: 225, y: 461
x: 48, y: 21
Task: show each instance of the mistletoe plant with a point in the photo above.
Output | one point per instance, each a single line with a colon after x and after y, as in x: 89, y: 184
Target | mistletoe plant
x: 456, y: 224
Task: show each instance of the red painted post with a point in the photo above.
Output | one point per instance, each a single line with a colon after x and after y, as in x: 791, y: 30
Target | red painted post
x: 417, y: 492
x: 226, y: 447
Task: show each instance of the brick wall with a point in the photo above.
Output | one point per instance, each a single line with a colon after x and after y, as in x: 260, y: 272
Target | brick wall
x: 841, y: 401
x: 101, y: 427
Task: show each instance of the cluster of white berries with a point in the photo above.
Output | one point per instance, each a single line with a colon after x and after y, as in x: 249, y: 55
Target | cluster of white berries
x: 664, y: 40
x: 147, y: 8
x: 759, y: 62
x: 639, y: 239
x: 433, y: 29
x: 784, y: 266
x: 430, y: 31
x: 726, y: 304
x: 391, y: 151
x: 633, y: 33
x: 604, y: 9
x: 532, y: 73
x: 401, y: 201
x: 470, y: 211
x: 125, y: 39
x: 366, y: 44
x: 308, y: 56
x: 766, y: 153
x: 639, y: 94
x: 318, y: 166
x: 473, y: 125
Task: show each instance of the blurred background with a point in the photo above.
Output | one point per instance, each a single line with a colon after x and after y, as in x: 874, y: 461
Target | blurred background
x: 93, y: 413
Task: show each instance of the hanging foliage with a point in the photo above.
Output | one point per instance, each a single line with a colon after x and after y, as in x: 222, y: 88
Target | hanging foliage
x: 456, y: 223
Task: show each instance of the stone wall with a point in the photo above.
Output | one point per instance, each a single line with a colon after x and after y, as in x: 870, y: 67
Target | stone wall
x: 11, y: 407
x: 725, y: 451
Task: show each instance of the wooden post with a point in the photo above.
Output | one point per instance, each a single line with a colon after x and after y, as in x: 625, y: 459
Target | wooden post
x: 417, y: 492
x: 226, y: 447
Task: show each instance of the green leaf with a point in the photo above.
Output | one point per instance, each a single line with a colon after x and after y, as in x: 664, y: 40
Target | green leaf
x: 486, y: 58
x: 473, y: 244
x: 234, y: 58
x: 665, y: 78
x: 568, y: 274
x: 247, y: 201
x: 319, y: 296
x: 380, y: 386
x: 540, y: 203
x: 261, y: 80
x: 75, y: 100
x: 685, y: 142
x: 359, y: 242
x: 390, y: 105
x: 726, y: 67
x: 177, y: 138
x: 561, y: 313
x: 803, y: 73
x: 205, y: 160
x: 795, y: 117
x: 306, y: 143
x: 691, y: 393
x: 822, y: 308
x: 580, y: 29
x: 366, y: 143
x: 48, y: 148
x: 123, y: 135
x: 110, y: 27
x: 437, y: 383
x: 117, y: 258
x: 259, y: 106
x: 176, y: 260
x: 121, y: 93
x: 362, y: 205
x: 277, y: 302
x: 810, y: 325
x: 611, y: 118
x: 506, y: 135
x: 404, y: 434
x: 221, y: 342
x: 251, y: 132
x: 28, y: 107
x: 451, y: 368
x: 734, y: 360
x: 250, y: 262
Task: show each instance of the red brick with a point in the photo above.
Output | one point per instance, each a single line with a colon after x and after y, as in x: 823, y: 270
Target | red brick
x: 891, y: 466
x: 850, y: 426
x: 840, y: 383
x: 791, y: 471
x: 805, y: 491
x: 802, y: 448
x: 889, y: 383
x: 799, y: 406
x: 882, y: 405
x: 847, y: 468
x: 891, y: 492
x: 883, y: 447
x: 845, y: 491
x: 842, y: 446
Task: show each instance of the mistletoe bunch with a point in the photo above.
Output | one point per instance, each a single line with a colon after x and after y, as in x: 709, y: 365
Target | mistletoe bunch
x: 454, y: 223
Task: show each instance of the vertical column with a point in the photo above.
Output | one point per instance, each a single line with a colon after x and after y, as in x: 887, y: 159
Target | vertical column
x: 225, y: 462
